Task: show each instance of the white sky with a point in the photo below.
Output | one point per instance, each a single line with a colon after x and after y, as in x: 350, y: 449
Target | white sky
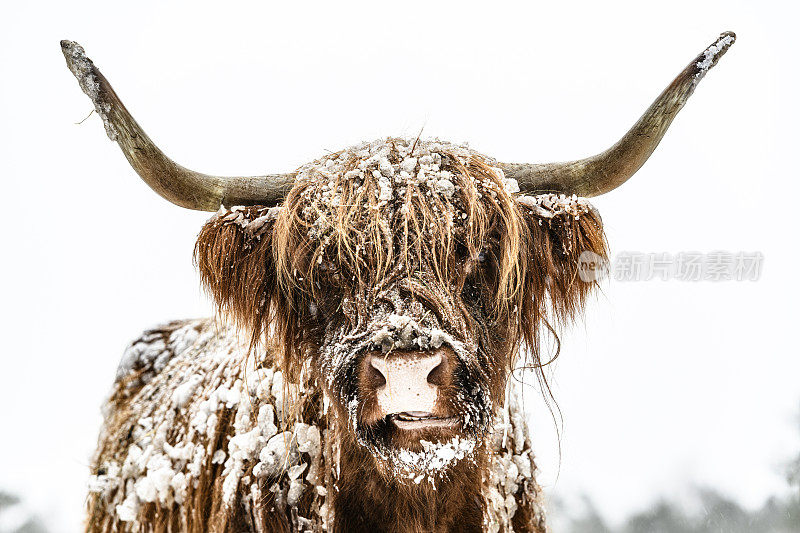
x: 664, y: 386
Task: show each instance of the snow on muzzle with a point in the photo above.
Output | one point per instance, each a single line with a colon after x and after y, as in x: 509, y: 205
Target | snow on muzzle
x: 404, y: 370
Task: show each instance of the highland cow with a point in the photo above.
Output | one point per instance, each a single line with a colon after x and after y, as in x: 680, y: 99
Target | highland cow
x: 371, y: 308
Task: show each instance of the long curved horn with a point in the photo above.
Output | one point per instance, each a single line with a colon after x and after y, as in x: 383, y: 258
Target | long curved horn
x: 177, y: 184
x: 604, y: 172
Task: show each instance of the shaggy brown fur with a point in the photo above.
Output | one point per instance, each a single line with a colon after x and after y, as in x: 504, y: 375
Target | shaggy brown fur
x: 531, y: 280
x: 495, y: 271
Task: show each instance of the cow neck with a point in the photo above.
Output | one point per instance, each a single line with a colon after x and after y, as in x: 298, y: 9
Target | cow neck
x: 365, y: 500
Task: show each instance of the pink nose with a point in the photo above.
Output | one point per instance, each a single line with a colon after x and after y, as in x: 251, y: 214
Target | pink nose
x: 408, y: 383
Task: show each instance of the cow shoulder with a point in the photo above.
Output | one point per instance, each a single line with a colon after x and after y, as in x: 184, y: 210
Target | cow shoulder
x: 151, y: 352
x: 185, y: 430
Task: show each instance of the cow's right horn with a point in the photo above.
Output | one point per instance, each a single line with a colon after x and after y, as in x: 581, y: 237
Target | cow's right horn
x: 177, y: 184
x: 608, y: 170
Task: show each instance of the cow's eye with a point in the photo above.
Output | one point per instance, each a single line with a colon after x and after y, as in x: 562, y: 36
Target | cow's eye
x: 471, y: 292
x: 461, y: 252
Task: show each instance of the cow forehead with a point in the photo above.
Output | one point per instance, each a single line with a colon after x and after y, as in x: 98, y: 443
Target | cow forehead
x: 393, y: 203
x: 395, y: 170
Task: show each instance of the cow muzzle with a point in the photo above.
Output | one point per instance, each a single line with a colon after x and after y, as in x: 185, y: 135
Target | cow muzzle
x: 408, y: 387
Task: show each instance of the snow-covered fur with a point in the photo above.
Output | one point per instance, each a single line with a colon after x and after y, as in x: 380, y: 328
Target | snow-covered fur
x: 271, y: 425
x: 198, y: 437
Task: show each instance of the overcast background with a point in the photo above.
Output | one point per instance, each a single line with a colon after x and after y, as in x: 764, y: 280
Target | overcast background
x: 665, y: 386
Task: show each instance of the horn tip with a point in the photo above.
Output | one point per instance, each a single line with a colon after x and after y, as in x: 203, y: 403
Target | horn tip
x: 711, y: 55
x: 72, y: 52
x: 91, y: 84
x: 81, y: 67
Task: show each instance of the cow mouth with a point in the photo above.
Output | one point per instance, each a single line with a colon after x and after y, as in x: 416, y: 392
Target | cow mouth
x: 410, y: 420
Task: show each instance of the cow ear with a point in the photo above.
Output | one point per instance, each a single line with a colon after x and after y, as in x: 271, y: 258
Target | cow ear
x: 234, y: 256
x: 566, y: 241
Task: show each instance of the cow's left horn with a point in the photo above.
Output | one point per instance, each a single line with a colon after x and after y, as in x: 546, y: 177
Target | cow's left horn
x: 604, y: 172
x: 177, y: 184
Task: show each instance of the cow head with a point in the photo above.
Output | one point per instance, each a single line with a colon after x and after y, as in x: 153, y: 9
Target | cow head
x: 406, y: 275
x: 403, y: 276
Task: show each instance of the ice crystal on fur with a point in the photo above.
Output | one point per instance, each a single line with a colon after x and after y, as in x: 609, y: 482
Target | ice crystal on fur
x: 163, y: 464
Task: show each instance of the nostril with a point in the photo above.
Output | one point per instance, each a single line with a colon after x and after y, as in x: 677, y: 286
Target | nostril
x: 437, y: 374
x: 375, y: 375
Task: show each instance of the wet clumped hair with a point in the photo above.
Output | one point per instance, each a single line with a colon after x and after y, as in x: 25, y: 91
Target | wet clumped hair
x: 363, y: 218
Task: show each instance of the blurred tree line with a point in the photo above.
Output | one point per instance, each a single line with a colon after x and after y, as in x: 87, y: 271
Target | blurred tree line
x: 13, y: 519
x: 717, y: 514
